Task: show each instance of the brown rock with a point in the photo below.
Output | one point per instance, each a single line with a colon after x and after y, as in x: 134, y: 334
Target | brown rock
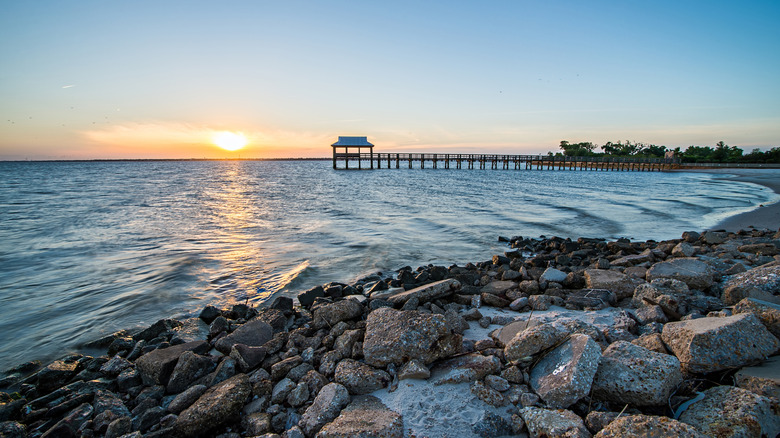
x: 253, y: 333
x: 766, y: 312
x: 762, y: 283
x: 763, y: 379
x: 691, y: 271
x: 565, y: 374
x: 620, y: 284
x: 365, y: 417
x: 218, y: 405
x: 425, y: 293
x: 727, y: 411
x: 360, y: 378
x: 553, y: 423
x: 648, y: 426
x: 156, y: 366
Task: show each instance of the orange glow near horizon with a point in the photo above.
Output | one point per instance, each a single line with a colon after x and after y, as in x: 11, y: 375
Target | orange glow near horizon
x: 229, y: 141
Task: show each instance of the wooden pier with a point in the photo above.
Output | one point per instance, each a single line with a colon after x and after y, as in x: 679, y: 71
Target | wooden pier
x: 374, y: 160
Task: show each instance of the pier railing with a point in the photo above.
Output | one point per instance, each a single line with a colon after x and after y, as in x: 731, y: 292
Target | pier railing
x: 391, y: 160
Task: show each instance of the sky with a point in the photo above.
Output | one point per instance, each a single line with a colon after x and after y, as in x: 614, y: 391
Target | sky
x: 158, y: 79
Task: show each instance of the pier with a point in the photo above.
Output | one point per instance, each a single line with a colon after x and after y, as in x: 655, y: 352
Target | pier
x: 388, y: 160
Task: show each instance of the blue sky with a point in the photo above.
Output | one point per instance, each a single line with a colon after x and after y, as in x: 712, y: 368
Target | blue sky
x: 143, y: 79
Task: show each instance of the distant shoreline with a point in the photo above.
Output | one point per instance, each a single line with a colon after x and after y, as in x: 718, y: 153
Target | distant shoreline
x: 104, y: 160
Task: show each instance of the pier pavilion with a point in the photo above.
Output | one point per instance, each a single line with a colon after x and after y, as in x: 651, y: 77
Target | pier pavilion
x: 357, y: 144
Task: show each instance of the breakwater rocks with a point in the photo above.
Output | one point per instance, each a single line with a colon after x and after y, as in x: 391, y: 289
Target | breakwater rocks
x: 554, y: 337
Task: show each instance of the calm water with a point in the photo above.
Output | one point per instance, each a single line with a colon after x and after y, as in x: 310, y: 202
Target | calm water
x: 90, y: 248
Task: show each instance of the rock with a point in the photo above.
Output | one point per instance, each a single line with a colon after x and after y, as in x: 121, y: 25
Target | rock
x: 565, y: 374
x: 467, y: 368
x: 360, y: 378
x: 691, y: 271
x: 414, y: 369
x: 156, y: 329
x: 331, y: 314
x: 186, y: 399
x: 282, y: 390
x: 762, y: 283
x: 766, y: 249
x: 428, y: 292
x: 597, y: 420
x: 55, y: 375
x: 225, y: 370
x: 155, y: 367
x: 683, y: 249
x: 219, y: 404
x: 299, y: 395
x: 115, y: 366
x: 590, y: 299
x: 500, y: 384
x: 552, y: 275
x: 533, y: 340
x: 107, y: 407
x: 12, y: 429
x: 148, y: 418
x: 247, y: 358
x: 650, y: 313
x: 281, y: 368
x: 494, y: 300
x: 326, y: 407
x: 394, y: 336
x: 763, y: 379
x: 492, y: 425
x: 553, y: 423
x: 192, y: 329
x: 366, y: 417
x: 618, y: 283
x: 488, y: 395
x: 257, y: 423
x: 209, y: 314
x: 651, y: 341
x: 727, y: 411
x: 189, y: 368
x: 635, y: 259
x: 307, y: 298
x: 253, y: 333
x: 635, y: 375
x: 714, y: 237
x: 72, y: 422
x: 766, y: 312
x: 518, y: 304
x: 707, y: 345
x: 648, y: 426
x: 543, y: 302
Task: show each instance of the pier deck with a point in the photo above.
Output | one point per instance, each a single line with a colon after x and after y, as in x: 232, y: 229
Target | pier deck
x: 374, y: 160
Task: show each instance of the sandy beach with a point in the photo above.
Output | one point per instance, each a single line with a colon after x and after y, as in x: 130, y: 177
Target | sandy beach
x: 767, y: 216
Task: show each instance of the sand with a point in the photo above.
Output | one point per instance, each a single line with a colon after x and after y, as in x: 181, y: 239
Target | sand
x: 767, y: 216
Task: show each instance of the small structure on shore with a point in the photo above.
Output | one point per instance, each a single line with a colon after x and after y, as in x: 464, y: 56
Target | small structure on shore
x: 357, y: 144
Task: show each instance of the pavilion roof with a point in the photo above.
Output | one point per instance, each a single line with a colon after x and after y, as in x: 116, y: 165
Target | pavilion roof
x: 352, y: 141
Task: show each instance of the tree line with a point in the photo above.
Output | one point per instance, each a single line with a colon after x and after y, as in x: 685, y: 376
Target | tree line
x: 720, y: 153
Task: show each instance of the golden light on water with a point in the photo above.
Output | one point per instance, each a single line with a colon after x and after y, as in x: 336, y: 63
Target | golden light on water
x: 229, y: 141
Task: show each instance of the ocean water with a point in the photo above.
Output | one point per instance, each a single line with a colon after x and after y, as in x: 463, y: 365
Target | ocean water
x: 88, y: 248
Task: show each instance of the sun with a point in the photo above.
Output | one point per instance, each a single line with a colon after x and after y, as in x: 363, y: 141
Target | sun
x: 230, y: 141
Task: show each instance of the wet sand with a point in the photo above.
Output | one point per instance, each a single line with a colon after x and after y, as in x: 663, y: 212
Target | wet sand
x: 767, y: 216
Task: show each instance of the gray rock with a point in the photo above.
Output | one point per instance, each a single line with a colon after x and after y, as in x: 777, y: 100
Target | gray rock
x: 691, y: 271
x: 347, y: 340
x: 425, y: 293
x: 533, y: 340
x: 192, y: 329
x: 552, y: 275
x: 282, y: 368
x: 727, y: 411
x: 497, y: 287
x: 414, y: 369
x: 247, y: 358
x: 360, y: 378
x: 714, y: 237
x: 553, y: 423
x: 257, y: 423
x: 518, y: 304
x: 55, y: 375
x: 254, y: 333
x: 618, y: 283
x: 488, y: 395
x: 366, y: 416
x: 491, y: 425
x: 762, y: 283
x: 635, y: 375
x: 500, y: 384
x: 650, y: 313
x: 325, y: 408
x: 645, y: 256
x: 298, y: 395
x: 565, y: 374
x: 467, y: 368
x: 707, y: 345
x: 189, y: 368
x: 331, y: 314
x: 282, y: 390
x: 155, y: 367
x: 648, y: 426
x: 396, y: 337
x: 683, y: 249
x: 115, y: 366
x: 590, y: 299
x: 185, y: 399
x: 216, y: 406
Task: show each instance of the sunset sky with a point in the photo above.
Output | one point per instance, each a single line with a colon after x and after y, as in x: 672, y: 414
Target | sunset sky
x: 159, y: 79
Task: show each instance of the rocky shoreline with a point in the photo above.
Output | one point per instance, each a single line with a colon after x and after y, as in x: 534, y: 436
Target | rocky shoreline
x: 555, y: 337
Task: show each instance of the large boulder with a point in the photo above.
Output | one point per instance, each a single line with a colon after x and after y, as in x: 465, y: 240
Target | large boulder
x: 691, y: 271
x: 565, y: 374
x: 620, y: 284
x: 707, y: 345
x: 635, y: 375
x: 426, y: 292
x: 727, y: 411
x: 397, y: 336
x: 648, y: 426
x: 155, y: 367
x: 762, y: 283
x: 331, y: 314
x: 329, y: 402
x: 553, y: 423
x: 218, y: 405
x: 533, y: 340
x: 189, y: 368
x: 366, y: 416
x: 762, y: 379
x: 360, y: 378
x: 253, y: 333
x: 467, y: 368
